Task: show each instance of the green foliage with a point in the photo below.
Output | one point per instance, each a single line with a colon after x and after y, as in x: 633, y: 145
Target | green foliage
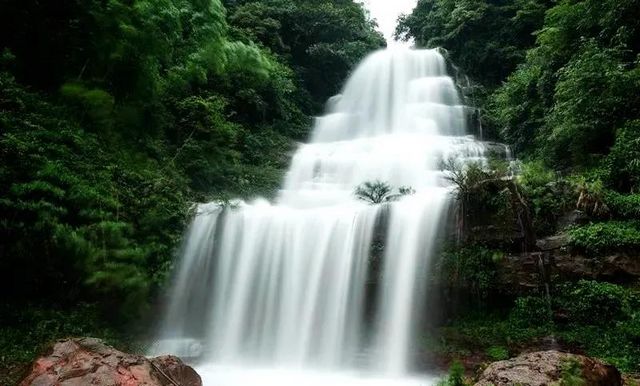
x: 623, y: 206
x: 585, y: 48
x: 517, y: 109
x: 599, y: 318
x: 602, y: 319
x: 581, y: 129
x: 478, y: 333
x: 497, y: 353
x: 455, y: 376
x: 322, y: 39
x: 613, y: 344
x: 623, y: 163
x: 487, y: 39
x: 530, y: 311
x: 586, y: 299
x: 605, y: 237
x: 81, y: 219
x: 548, y: 195
x: 472, y: 268
x: 571, y: 374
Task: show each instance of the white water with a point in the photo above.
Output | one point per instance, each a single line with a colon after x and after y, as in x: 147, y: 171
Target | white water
x: 279, y: 291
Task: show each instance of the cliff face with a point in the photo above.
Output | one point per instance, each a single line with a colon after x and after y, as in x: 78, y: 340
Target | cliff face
x: 556, y: 262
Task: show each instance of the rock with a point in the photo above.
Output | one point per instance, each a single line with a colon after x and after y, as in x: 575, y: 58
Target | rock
x: 544, y: 368
x: 618, y: 268
x: 174, y: 368
x: 575, y: 217
x: 522, y: 273
x: 553, y: 242
x: 88, y: 361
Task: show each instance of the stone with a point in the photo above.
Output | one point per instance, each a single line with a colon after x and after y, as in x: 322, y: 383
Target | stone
x: 88, y: 361
x: 544, y: 368
x: 553, y: 242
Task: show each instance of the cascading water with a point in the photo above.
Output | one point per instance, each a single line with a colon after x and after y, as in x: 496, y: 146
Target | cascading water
x: 286, y: 285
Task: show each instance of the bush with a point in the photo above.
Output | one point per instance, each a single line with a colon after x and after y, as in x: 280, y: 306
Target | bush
x: 531, y: 311
x: 455, y: 377
x: 594, y: 303
x: 548, y: 196
x: 497, y: 353
x: 472, y: 268
x: 612, y: 344
x: 624, y: 160
x: 605, y: 237
x: 571, y: 374
x: 623, y: 206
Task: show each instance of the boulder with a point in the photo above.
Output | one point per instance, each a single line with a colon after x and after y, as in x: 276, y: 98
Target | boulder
x: 88, y: 361
x: 545, y: 368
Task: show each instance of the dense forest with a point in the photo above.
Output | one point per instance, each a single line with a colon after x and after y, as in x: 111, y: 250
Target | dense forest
x: 116, y: 116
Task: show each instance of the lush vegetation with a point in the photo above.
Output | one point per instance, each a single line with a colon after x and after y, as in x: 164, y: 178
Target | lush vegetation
x: 115, y: 116
x: 557, y: 81
x: 567, y: 319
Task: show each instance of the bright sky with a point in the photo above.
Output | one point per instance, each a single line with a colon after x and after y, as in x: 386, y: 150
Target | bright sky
x: 386, y: 13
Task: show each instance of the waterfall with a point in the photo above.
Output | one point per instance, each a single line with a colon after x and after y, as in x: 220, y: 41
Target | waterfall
x: 286, y: 284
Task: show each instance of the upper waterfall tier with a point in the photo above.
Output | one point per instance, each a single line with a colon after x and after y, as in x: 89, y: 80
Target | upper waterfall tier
x: 397, y: 91
x: 398, y: 118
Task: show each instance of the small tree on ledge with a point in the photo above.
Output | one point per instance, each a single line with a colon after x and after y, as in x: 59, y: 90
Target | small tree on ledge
x: 378, y: 192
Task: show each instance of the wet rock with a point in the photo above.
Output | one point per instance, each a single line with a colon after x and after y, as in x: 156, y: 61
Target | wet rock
x: 520, y: 273
x: 545, y: 368
x: 553, y: 243
x: 618, y: 268
x: 88, y: 361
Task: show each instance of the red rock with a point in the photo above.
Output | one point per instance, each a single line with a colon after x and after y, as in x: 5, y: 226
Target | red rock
x: 87, y: 361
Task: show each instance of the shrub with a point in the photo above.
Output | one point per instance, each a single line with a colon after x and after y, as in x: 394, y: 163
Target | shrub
x: 593, y: 303
x: 597, y: 238
x: 548, y: 196
x: 455, y: 377
x: 497, y: 353
x: 531, y: 311
x: 624, y: 160
x: 571, y: 374
x: 472, y: 267
x: 623, y: 206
